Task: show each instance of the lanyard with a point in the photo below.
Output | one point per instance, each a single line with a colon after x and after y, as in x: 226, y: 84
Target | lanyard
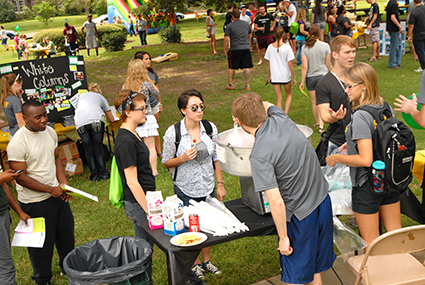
x: 342, y: 85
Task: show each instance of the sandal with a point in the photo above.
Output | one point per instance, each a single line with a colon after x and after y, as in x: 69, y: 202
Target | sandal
x: 316, y: 125
x: 321, y: 130
x: 372, y: 59
x: 378, y: 57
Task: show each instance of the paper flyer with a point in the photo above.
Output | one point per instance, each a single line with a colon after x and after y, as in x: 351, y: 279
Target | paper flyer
x: 31, y: 236
x: 78, y: 193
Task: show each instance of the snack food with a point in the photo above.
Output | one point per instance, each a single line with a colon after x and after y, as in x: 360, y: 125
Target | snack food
x: 188, y: 239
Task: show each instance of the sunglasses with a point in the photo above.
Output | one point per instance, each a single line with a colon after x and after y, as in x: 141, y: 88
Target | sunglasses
x: 195, y: 108
x: 354, y: 85
x: 144, y: 109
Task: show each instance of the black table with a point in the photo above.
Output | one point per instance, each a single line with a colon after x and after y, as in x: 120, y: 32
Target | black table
x: 180, y: 259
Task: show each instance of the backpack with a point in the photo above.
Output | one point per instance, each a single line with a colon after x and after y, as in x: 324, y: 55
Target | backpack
x: 394, y: 144
x: 116, y: 192
x: 208, y: 129
x: 337, y: 29
x: 295, y: 27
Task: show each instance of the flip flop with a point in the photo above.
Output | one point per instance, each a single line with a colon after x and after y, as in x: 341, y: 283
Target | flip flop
x: 321, y: 130
x: 372, y: 59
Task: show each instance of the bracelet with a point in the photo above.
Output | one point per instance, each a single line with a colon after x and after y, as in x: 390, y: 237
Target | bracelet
x: 220, y: 182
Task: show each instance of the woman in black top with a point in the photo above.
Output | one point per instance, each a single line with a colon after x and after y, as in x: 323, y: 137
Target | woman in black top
x: 343, y: 21
x: 132, y: 157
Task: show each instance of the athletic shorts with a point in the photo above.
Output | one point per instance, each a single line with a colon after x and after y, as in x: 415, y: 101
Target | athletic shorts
x: 91, y: 42
x: 264, y: 41
x: 374, y: 35
x: 4, y: 41
x: 277, y: 83
x: 286, y: 29
x: 239, y: 59
x: 321, y: 25
x: 312, y: 244
x: 365, y: 202
x: 311, y: 82
x: 291, y: 36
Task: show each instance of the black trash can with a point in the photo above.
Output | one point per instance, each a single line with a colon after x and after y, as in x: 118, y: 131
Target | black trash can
x: 117, y: 260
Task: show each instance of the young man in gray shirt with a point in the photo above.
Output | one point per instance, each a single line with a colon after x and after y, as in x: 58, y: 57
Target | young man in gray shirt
x: 285, y: 166
x: 239, y: 55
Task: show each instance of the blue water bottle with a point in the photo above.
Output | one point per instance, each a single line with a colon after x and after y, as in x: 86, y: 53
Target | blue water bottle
x: 378, y: 171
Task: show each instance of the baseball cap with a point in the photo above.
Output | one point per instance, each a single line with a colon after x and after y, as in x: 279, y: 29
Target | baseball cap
x: 243, y: 6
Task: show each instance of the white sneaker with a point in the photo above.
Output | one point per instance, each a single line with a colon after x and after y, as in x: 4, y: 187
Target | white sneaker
x: 211, y: 268
x: 419, y: 69
x: 197, y: 269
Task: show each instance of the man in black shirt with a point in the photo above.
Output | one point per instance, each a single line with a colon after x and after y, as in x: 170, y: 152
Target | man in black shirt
x: 331, y: 99
x: 417, y: 31
x: 373, y: 27
x: 230, y: 8
x: 395, y: 30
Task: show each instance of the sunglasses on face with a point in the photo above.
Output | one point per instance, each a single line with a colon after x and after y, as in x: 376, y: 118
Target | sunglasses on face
x: 353, y: 85
x: 195, y: 108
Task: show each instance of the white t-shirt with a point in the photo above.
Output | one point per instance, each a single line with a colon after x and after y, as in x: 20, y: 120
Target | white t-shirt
x: 290, y: 9
x: 3, y: 34
x: 279, y: 69
x: 91, y: 107
x: 90, y: 28
x: 246, y: 18
x: 37, y: 150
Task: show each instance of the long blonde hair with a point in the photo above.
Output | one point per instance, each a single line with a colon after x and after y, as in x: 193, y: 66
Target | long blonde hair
x: 136, y: 74
x: 364, y: 73
x: 301, y: 14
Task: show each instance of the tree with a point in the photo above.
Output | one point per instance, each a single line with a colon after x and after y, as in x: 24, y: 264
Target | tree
x: 7, y: 11
x: 100, y: 7
x: 73, y: 7
x: 44, y: 11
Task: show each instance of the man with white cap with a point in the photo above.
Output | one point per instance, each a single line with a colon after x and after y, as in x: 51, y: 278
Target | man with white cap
x: 291, y: 11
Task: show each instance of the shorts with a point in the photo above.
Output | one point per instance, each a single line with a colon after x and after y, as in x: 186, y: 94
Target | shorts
x: 365, y: 202
x: 264, y: 41
x: 286, y: 29
x: 239, y: 59
x: 321, y: 25
x: 312, y: 243
x: 155, y: 109
x: 149, y: 128
x: 91, y: 42
x: 4, y: 41
x: 291, y: 36
x: 311, y: 82
x: 185, y: 199
x: 213, y: 30
x: 374, y: 35
x: 277, y: 83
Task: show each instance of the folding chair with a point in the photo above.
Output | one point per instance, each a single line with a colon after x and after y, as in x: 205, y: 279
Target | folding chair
x: 388, y: 259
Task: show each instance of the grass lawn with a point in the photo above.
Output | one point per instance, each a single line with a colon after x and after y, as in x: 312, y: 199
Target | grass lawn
x: 243, y: 261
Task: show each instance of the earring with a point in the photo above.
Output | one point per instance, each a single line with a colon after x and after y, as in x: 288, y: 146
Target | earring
x: 363, y: 94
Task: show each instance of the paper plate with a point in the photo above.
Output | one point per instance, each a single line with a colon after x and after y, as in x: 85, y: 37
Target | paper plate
x: 181, y: 239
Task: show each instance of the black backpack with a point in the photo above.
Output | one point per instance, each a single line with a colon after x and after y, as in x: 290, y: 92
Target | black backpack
x: 394, y: 144
x: 337, y: 28
x: 208, y: 129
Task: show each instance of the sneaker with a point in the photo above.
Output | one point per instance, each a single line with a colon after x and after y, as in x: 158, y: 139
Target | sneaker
x: 197, y: 269
x: 247, y: 87
x: 211, y: 268
x: 419, y: 69
x: 230, y: 87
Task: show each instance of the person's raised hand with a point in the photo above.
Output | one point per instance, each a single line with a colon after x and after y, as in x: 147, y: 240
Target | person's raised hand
x: 339, y: 114
x: 405, y: 105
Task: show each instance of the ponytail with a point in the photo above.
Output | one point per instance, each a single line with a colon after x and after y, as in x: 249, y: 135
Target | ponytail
x: 279, y: 34
x: 7, y: 81
x: 314, y: 36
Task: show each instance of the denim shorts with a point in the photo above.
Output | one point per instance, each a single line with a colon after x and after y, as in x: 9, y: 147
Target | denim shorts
x: 311, y: 82
x: 321, y: 25
x: 186, y: 198
x: 155, y: 109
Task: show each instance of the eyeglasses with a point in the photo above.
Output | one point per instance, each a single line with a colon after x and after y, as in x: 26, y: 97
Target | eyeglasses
x: 195, y: 108
x: 144, y: 109
x: 354, y: 85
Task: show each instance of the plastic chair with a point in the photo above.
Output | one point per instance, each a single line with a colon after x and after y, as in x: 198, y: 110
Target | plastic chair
x: 388, y: 259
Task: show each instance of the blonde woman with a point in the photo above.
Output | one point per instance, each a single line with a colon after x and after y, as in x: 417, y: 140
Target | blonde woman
x: 302, y: 33
x: 362, y: 89
x: 11, y: 91
x: 138, y: 81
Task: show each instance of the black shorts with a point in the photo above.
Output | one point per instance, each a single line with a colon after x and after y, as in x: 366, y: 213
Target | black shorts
x: 239, y: 59
x: 264, y: 41
x: 291, y: 36
x: 286, y: 29
x: 365, y: 202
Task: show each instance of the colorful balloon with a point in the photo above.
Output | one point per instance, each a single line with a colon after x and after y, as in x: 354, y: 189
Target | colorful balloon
x: 408, y: 118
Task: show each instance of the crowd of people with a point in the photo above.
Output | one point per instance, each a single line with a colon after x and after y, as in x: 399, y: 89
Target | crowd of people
x: 288, y: 172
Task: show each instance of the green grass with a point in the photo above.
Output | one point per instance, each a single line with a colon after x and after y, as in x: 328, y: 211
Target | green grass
x: 197, y: 68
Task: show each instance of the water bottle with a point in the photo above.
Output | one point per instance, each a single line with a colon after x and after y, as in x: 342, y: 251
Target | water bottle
x: 378, y: 171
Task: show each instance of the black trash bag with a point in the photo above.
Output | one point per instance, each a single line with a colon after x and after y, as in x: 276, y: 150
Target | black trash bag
x: 411, y: 207
x: 110, y: 260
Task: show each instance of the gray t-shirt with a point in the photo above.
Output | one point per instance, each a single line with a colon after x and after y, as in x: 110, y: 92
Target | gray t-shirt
x: 319, y: 18
x: 283, y: 157
x: 12, y: 105
x: 90, y: 28
x: 361, y: 127
x: 316, y: 57
x: 421, y: 94
x: 155, y: 80
x: 238, y: 32
x: 91, y: 107
x: 141, y: 25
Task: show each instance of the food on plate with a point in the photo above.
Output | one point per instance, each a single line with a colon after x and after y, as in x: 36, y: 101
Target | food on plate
x: 188, y: 239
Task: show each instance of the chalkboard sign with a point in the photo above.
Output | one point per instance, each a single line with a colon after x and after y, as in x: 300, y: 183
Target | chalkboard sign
x: 52, y: 81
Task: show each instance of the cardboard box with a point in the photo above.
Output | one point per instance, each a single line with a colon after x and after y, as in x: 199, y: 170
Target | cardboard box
x: 73, y: 166
x: 172, y: 211
x: 154, y: 199
x: 68, y: 150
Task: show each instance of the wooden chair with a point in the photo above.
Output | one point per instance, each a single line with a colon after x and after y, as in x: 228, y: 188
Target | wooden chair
x: 388, y: 259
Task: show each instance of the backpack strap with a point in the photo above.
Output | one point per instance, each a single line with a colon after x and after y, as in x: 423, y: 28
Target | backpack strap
x: 209, y: 131
x: 378, y: 115
x: 177, y: 130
